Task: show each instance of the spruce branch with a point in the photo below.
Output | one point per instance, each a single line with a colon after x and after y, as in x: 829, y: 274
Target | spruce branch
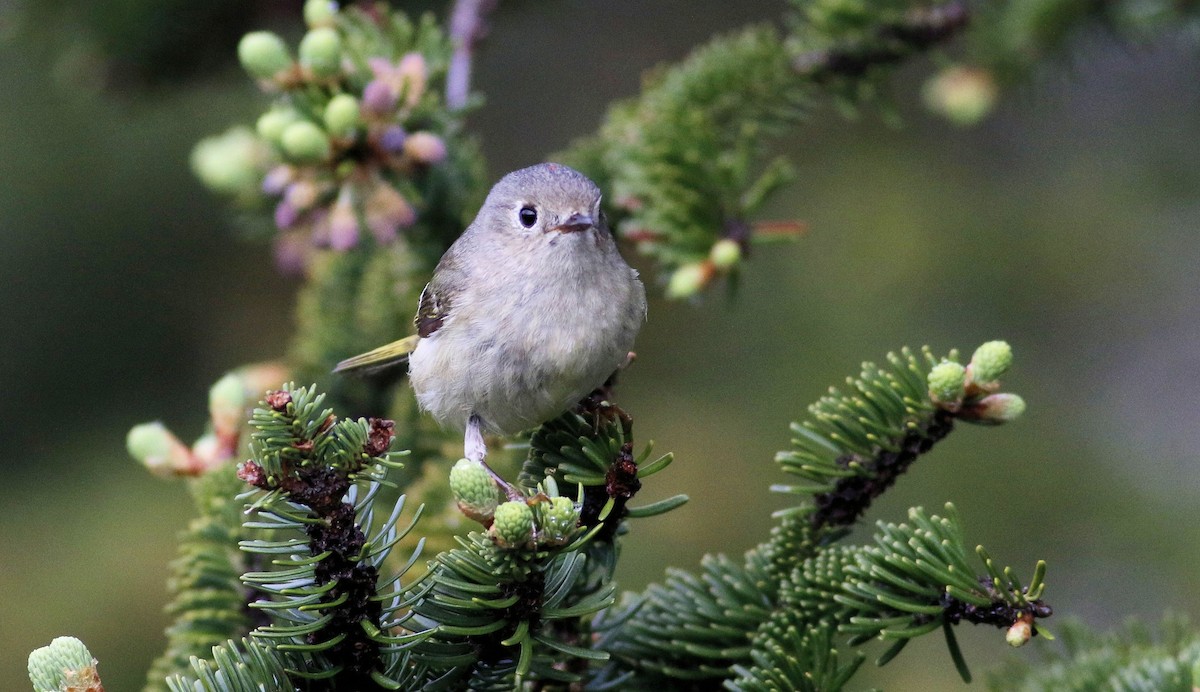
x: 686, y: 161
x: 516, y: 604
x: 319, y: 478
x: 857, y: 442
x: 888, y: 42
x: 1134, y: 656
x: 234, y: 665
x: 854, y: 445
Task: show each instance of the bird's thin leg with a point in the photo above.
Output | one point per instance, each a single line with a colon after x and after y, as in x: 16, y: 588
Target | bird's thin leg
x: 475, y: 449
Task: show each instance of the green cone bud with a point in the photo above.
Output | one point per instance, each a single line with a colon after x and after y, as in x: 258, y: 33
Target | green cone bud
x: 1019, y: 633
x: 475, y: 490
x: 990, y: 361
x: 321, y: 51
x: 994, y: 409
x: 963, y: 95
x: 158, y: 449
x: 305, y: 142
x: 64, y: 664
x: 270, y: 125
x: 558, y: 521
x: 229, y: 163
x: 687, y: 280
x: 342, y: 115
x: 320, y: 13
x: 263, y: 54
x: 227, y: 405
x: 947, y: 382
x: 725, y: 254
x: 512, y: 525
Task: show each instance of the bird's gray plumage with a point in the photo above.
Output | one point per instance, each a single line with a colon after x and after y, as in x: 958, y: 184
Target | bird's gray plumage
x: 520, y: 322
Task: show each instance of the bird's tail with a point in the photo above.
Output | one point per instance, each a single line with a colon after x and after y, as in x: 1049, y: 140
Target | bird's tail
x: 380, y: 359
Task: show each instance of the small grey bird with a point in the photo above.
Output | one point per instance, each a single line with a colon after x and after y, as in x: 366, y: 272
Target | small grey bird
x: 528, y: 311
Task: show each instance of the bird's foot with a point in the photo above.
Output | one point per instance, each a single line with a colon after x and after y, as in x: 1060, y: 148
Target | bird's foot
x: 475, y: 449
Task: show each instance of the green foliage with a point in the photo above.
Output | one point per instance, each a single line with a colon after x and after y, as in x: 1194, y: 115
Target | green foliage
x: 234, y: 665
x: 854, y: 445
x: 209, y: 601
x: 332, y: 612
x: 367, y: 176
x: 682, y: 199
x: 1131, y: 658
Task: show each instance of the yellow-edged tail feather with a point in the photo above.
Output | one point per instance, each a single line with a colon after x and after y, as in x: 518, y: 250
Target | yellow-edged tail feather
x: 383, y: 358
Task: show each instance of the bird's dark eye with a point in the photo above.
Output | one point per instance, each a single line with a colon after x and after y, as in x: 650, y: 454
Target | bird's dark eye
x: 528, y: 216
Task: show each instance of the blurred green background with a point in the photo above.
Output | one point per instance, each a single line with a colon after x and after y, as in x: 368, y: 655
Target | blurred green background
x: 1066, y: 224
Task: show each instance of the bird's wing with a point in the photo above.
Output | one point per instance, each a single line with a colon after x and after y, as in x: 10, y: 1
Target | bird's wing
x: 434, y: 308
x: 432, y: 311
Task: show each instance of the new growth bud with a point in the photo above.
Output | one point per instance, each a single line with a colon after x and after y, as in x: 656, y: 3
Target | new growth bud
x: 321, y: 51
x: 425, y: 147
x: 725, y: 254
x: 64, y: 664
x: 1020, y: 632
x: 229, y: 163
x: 342, y: 115
x: 227, y: 403
x: 989, y: 362
x: 687, y: 280
x: 320, y: 13
x: 559, y: 517
x: 343, y: 221
x: 159, y: 450
x: 475, y: 490
x: 512, y: 525
x: 947, y: 382
x: 963, y: 95
x: 412, y: 74
x: 270, y: 125
x: 994, y: 409
x: 263, y: 54
x: 387, y: 211
x: 304, y: 142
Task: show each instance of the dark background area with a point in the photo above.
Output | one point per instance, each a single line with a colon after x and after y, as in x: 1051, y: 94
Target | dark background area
x: 1066, y: 224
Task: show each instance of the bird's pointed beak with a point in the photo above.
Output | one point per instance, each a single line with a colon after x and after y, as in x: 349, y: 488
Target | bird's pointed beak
x: 575, y: 223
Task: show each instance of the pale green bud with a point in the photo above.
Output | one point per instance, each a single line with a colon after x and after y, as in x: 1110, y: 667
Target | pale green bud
x: 989, y: 362
x: 686, y: 281
x: 947, y: 382
x: 1019, y: 633
x: 270, y: 125
x: 994, y: 409
x: 558, y: 520
x: 263, y: 54
x: 229, y: 163
x: 158, y: 449
x: 320, y: 13
x: 342, y: 115
x: 305, y: 142
x: 512, y: 525
x: 227, y: 405
x: 475, y: 490
x: 963, y: 95
x: 725, y: 254
x: 64, y: 664
x: 321, y: 51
